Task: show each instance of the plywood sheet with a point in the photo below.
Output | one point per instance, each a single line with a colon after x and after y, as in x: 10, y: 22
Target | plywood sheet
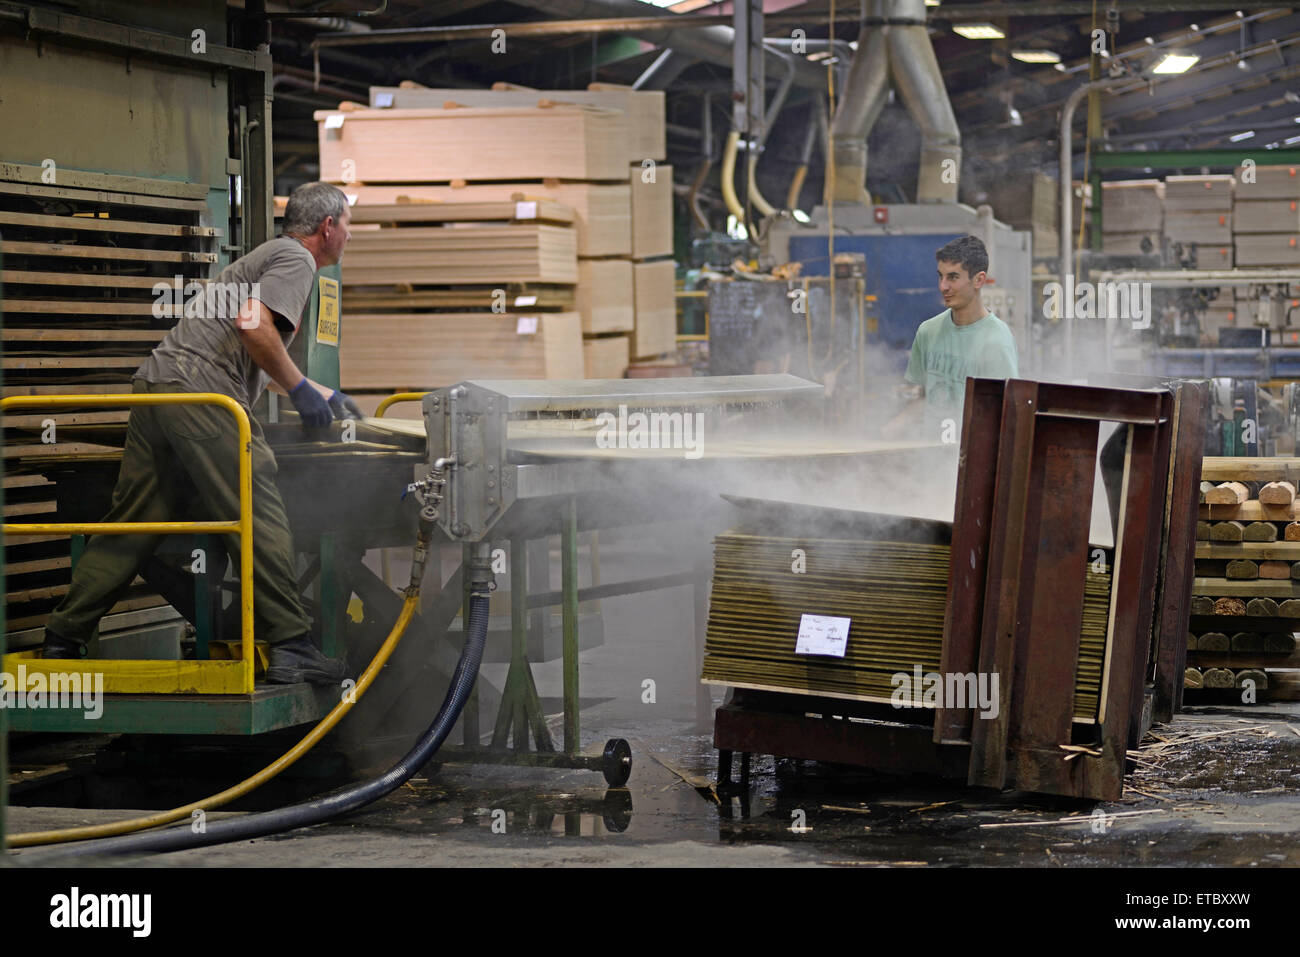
x: 656, y: 309
x: 440, y: 145
x: 644, y: 109
x: 602, y: 211
x: 605, y: 357
x: 652, y: 211
x: 604, y: 295
x: 420, y: 352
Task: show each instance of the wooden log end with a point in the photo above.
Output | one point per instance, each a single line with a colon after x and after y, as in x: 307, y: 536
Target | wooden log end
x: 1231, y: 531
x: 1275, y: 570
x: 1260, y: 532
x: 1247, y: 641
x: 1229, y: 606
x: 1289, y: 608
x: 1292, y: 533
x: 1218, y: 678
x: 1242, y: 569
x: 1192, y: 678
x: 1202, y: 531
x: 1252, y: 674
x: 1277, y: 493
x: 1228, y: 493
x: 1263, y: 607
x: 1213, y: 641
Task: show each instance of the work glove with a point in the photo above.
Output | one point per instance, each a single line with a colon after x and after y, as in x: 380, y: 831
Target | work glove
x: 311, y: 405
x: 345, y: 407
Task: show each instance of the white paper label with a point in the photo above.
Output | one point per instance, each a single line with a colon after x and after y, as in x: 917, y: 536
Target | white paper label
x: 526, y: 209
x: 526, y: 326
x: 383, y: 100
x: 334, y: 121
x: 525, y: 301
x: 822, y: 635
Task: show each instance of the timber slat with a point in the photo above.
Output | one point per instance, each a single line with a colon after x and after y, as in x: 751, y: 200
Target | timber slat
x: 102, y: 224
x: 105, y: 252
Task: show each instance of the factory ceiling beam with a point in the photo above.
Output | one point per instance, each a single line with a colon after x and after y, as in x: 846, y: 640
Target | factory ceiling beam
x: 1256, y: 104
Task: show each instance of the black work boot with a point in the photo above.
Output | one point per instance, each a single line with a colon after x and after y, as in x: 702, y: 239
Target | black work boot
x: 56, y: 646
x: 297, y: 660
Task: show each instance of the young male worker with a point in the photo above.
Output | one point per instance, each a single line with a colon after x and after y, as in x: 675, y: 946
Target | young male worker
x: 962, y: 341
x: 177, y: 454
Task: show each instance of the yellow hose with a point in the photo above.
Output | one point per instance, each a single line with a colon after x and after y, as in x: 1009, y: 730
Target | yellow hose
x: 729, y: 177
x: 796, y: 187
x: 312, y: 738
x: 760, y: 202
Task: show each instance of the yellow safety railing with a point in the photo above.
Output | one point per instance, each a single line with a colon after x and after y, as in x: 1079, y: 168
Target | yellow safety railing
x: 218, y: 677
x: 389, y: 401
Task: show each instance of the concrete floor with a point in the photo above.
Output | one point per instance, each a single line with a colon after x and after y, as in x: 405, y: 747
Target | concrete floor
x: 1228, y: 800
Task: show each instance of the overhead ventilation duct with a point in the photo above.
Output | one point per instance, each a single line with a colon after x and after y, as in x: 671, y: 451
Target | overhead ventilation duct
x: 893, y: 44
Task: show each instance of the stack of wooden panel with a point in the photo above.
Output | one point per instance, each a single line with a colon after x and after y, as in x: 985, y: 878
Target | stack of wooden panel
x: 1266, y: 216
x: 1198, y: 215
x: 415, y: 272
x: 1132, y: 217
x: 895, y: 595
x: 625, y: 288
x: 1246, y: 606
x: 81, y: 260
x: 1035, y: 209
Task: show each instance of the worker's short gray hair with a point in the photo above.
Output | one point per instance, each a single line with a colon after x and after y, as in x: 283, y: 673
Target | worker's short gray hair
x: 310, y: 205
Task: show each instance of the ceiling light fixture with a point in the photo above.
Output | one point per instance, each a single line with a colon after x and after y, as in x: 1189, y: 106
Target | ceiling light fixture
x: 1036, y: 56
x: 1238, y: 137
x: 1176, y: 63
x: 979, y: 31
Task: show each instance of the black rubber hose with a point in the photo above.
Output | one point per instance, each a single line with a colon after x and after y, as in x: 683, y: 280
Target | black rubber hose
x: 322, y: 809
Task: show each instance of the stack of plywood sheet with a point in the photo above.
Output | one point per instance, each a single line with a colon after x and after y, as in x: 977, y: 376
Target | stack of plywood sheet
x: 1198, y: 215
x: 409, y: 264
x: 1035, y: 209
x: 1132, y: 217
x: 1266, y: 216
x: 625, y: 288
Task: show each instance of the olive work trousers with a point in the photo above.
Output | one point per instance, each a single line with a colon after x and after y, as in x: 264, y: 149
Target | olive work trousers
x: 177, y: 456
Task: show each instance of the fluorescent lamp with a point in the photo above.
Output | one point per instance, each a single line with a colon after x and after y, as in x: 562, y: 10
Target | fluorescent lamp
x: 931, y: 3
x: 802, y: 217
x: 1036, y: 56
x: 1292, y: 141
x: 1238, y: 137
x: 1175, y: 63
x: 979, y: 31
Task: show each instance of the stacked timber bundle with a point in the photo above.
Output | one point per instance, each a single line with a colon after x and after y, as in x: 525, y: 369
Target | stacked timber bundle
x: 1132, y: 217
x: 596, y: 151
x: 1246, y: 605
x: 1266, y: 216
x: 416, y: 273
x: 1198, y: 220
x: 894, y: 595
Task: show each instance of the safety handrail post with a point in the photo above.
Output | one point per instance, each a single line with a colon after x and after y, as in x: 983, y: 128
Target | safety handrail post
x: 243, y: 526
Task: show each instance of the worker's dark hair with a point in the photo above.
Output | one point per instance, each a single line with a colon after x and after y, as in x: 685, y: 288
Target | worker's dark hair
x: 310, y: 205
x: 967, y: 250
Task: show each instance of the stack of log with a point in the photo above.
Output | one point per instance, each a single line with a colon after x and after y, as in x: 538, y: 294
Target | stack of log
x: 597, y: 152
x: 1246, y: 607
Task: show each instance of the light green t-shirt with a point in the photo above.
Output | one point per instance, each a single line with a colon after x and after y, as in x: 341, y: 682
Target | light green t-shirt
x: 944, y: 354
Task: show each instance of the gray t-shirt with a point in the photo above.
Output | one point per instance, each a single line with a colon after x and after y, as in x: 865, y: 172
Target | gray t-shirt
x: 203, y: 351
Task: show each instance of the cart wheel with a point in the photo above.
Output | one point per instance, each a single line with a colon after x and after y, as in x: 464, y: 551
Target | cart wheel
x: 617, y: 762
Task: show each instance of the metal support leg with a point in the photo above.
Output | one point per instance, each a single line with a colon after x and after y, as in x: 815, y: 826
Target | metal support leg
x: 569, y: 587
x: 744, y: 770
x: 724, y: 768
x: 333, y: 601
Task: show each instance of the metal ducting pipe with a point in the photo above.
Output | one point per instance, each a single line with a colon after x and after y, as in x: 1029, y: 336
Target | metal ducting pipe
x: 864, y: 97
x: 920, y: 83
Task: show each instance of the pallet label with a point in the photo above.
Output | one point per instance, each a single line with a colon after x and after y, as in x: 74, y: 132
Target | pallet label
x: 823, y: 635
x: 327, y: 317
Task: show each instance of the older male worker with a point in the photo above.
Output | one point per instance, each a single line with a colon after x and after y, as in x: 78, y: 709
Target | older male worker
x: 177, y: 454
x: 964, y: 340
